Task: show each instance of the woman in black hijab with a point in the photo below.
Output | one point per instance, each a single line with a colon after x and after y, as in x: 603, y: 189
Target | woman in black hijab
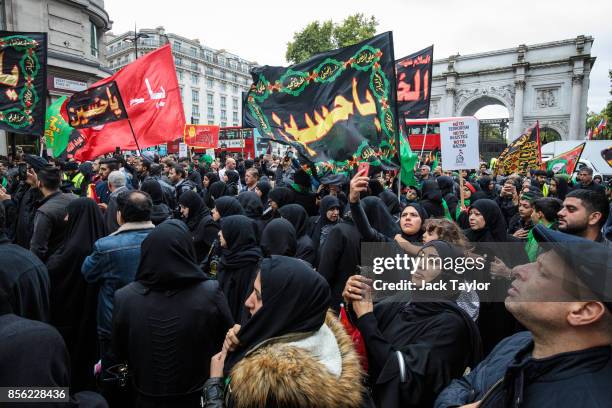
x: 226, y: 206
x: 280, y: 196
x: 321, y: 225
x: 253, y: 208
x: 262, y: 189
x: 232, y: 179
x: 183, y: 314
x: 487, y: 223
x: 73, y: 302
x: 488, y: 186
x: 215, y: 191
x: 240, y: 256
x: 447, y: 188
x: 298, y: 217
x: 203, y: 228
x: 416, y: 344
x: 432, y: 199
x: 288, y: 327
x: 160, y: 211
x: 373, y: 220
x: 278, y: 238
x: 392, y: 202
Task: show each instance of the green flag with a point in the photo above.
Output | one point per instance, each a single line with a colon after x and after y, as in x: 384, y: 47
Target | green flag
x: 408, y: 160
x: 57, y: 130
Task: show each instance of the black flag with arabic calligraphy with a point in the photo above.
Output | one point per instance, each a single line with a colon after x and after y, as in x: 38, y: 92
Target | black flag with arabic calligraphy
x: 337, y: 109
x: 23, y: 82
x: 522, y: 154
x: 95, y: 106
x: 414, y: 74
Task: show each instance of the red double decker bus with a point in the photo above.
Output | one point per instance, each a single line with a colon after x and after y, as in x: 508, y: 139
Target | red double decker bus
x: 235, y: 139
x: 424, y: 134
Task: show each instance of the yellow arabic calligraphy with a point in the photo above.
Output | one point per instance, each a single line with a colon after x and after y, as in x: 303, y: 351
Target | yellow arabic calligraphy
x: 8, y: 79
x: 323, y: 122
x: 99, y: 107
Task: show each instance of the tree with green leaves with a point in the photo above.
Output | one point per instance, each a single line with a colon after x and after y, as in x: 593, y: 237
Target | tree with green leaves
x: 594, y: 118
x: 319, y: 36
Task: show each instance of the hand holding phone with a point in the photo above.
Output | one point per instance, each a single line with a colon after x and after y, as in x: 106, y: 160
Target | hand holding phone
x: 364, y: 169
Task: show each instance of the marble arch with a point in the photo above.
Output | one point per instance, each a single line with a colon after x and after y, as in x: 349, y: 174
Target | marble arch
x: 546, y: 82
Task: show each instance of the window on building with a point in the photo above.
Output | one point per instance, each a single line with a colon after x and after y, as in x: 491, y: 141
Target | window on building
x: 223, y: 101
x: 211, y: 99
x: 176, y: 46
x: 221, y: 60
x: 194, y: 65
x: 178, y: 61
x: 208, y: 55
x: 223, y: 124
x: 195, y: 110
x: 211, y: 121
x: 94, y: 39
x: 235, y: 116
x: 210, y: 82
x: 222, y: 74
x: 195, y: 78
x: 235, y: 77
x: 211, y: 113
x: 179, y: 75
x: 222, y: 86
x: 235, y: 103
x: 195, y: 96
x: 235, y: 87
x: 195, y: 121
x: 223, y: 114
x: 181, y: 92
x: 193, y: 51
x: 209, y: 71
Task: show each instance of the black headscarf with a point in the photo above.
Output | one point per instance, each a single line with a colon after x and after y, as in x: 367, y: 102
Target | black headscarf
x: 446, y: 185
x: 379, y: 217
x: 216, y: 190
x: 279, y: 238
x: 431, y: 191
x: 562, y: 187
x: 418, y: 237
x: 264, y: 187
x: 391, y: 201
x: 197, y: 209
x: 327, y: 203
x: 445, y: 251
x: 297, y: 216
x: 154, y: 189
x: 252, y: 205
x: 295, y: 299
x: 233, y: 177
x: 375, y: 187
x: 168, y: 258
x: 240, y: 234
x: 282, y: 196
x: 484, y: 186
x: 212, y: 178
x: 227, y: 206
x: 495, y: 224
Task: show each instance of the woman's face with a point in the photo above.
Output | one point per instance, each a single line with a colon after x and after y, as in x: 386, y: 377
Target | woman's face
x: 491, y: 186
x: 477, y: 221
x: 411, y: 194
x: 333, y: 214
x: 428, y: 269
x: 184, y: 211
x: 258, y: 191
x: 222, y: 240
x: 410, y: 221
x: 225, y: 178
x: 215, y: 214
x: 553, y: 186
x: 430, y: 234
x: 254, y: 301
x: 273, y: 205
x: 467, y: 193
x: 206, y: 181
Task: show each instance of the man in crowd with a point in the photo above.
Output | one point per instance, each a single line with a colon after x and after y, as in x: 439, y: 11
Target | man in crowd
x: 102, y: 190
x: 564, y: 360
x: 539, y: 181
x: 49, y: 221
x: 192, y: 174
x: 117, y: 184
x: 583, y: 214
x: 230, y: 164
x: 114, y: 261
x: 585, y: 176
x: 177, y: 178
x: 521, y: 223
x: 251, y: 177
x: 425, y: 173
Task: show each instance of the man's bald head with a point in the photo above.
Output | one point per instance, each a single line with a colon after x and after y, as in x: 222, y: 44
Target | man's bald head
x: 134, y: 206
x: 230, y: 163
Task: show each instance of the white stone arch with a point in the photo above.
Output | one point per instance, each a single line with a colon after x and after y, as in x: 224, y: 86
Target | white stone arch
x: 473, y: 104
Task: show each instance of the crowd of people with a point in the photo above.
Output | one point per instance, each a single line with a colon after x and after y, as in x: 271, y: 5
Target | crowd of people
x: 139, y: 280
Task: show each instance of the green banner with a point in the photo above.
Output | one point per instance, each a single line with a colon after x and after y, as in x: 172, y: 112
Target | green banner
x: 57, y: 130
x: 408, y: 159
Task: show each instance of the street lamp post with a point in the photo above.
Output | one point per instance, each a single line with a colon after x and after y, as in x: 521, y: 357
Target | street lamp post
x: 135, y: 40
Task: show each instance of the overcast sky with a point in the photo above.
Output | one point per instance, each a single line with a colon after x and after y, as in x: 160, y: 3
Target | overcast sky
x: 259, y: 30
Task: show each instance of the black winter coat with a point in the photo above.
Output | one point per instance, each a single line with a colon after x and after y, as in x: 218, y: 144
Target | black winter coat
x: 510, y: 377
x: 184, y: 328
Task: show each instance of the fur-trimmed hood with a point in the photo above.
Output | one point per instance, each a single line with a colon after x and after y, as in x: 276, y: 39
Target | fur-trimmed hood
x: 282, y: 374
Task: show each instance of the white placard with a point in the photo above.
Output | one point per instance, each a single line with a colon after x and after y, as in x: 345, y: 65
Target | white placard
x: 182, y: 150
x: 459, y: 140
x: 69, y: 84
x: 211, y: 153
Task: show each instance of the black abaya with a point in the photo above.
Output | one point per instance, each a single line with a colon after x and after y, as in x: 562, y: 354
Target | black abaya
x: 73, y: 301
x: 200, y: 223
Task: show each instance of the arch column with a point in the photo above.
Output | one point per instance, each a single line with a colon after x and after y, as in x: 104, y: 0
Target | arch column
x: 574, y: 128
x: 517, y: 122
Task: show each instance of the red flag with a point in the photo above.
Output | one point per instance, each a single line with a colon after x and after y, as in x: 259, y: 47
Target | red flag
x: 201, y: 136
x: 152, y: 98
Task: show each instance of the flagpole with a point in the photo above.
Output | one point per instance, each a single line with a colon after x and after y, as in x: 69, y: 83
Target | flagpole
x: 135, y: 139
x: 424, y: 137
